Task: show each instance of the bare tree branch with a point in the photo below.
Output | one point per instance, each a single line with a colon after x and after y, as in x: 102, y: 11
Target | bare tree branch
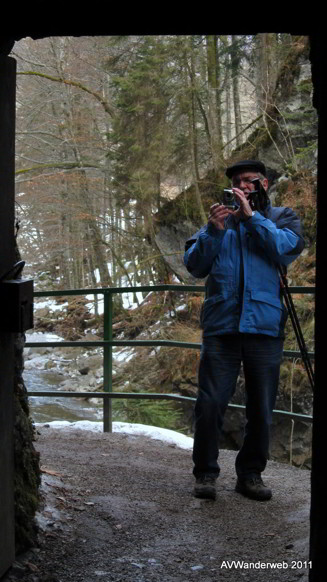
x: 107, y: 107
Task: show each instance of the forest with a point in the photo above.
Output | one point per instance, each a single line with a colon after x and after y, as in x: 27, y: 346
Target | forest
x: 111, y: 128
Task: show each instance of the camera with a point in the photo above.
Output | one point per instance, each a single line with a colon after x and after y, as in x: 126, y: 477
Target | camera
x: 258, y: 198
x: 229, y: 199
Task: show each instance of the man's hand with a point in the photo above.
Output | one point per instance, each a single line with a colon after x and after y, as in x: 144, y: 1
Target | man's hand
x: 244, y: 211
x: 217, y: 215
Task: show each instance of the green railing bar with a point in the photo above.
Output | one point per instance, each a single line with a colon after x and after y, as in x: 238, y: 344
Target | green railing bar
x: 110, y: 395
x: 153, y: 396
x: 99, y: 343
x: 144, y: 288
x: 292, y: 415
x: 139, y: 343
x: 301, y: 290
x: 107, y: 361
x: 136, y: 288
x: 294, y: 354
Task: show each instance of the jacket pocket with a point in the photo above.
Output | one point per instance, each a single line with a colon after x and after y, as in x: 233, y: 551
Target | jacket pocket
x: 207, y: 305
x: 266, y: 297
x: 219, y: 313
x: 267, y: 312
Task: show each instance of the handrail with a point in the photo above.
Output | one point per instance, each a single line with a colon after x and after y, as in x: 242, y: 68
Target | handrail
x: 107, y: 343
x: 154, y: 396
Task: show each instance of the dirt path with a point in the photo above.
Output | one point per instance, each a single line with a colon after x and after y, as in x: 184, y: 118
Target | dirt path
x: 120, y: 508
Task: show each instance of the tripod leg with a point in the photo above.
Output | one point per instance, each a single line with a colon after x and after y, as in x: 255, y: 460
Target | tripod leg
x: 297, y: 328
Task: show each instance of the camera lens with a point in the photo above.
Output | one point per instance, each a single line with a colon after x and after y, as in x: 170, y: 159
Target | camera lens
x: 228, y: 196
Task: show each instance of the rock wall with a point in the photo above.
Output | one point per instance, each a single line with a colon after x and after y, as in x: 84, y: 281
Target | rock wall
x: 27, y: 477
x: 27, y: 470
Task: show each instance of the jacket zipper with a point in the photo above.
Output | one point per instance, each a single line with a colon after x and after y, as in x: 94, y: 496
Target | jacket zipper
x: 241, y: 274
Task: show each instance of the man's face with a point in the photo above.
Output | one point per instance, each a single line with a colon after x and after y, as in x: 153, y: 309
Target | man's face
x: 243, y: 181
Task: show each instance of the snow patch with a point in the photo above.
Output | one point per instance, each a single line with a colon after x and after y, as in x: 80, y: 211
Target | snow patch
x: 40, y: 336
x: 124, y: 355
x: 51, y: 305
x: 170, y: 437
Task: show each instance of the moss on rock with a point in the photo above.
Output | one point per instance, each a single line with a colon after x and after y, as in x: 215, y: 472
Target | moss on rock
x: 185, y: 206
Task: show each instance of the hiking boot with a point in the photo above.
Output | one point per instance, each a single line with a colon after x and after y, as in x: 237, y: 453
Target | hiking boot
x: 205, y: 487
x: 254, y: 488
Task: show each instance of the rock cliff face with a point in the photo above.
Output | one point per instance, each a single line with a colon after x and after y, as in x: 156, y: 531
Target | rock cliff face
x: 292, y: 142
x: 171, y: 242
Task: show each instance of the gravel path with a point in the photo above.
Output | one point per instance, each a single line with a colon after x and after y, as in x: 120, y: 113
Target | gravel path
x: 120, y: 508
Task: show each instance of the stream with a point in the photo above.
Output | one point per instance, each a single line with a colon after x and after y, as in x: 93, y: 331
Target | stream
x: 63, y: 368
x: 46, y: 409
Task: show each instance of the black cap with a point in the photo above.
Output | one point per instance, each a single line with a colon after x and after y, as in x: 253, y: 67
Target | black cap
x: 244, y: 165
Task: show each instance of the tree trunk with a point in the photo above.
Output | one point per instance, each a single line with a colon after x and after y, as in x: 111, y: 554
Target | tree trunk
x: 214, y: 112
x: 235, y: 62
x: 267, y: 70
x: 193, y: 135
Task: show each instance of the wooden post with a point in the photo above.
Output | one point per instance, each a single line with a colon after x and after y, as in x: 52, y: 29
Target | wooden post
x: 7, y: 258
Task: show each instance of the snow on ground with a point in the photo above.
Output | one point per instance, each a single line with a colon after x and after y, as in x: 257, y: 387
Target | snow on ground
x: 40, y: 336
x: 51, y: 304
x: 39, y: 359
x: 163, y: 434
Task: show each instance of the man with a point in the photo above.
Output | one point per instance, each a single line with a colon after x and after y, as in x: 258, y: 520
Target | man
x: 243, y: 319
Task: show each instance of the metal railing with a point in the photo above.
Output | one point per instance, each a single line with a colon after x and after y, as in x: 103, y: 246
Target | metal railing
x: 108, y: 343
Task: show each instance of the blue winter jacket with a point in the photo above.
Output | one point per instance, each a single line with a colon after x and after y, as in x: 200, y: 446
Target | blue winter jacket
x: 243, y: 292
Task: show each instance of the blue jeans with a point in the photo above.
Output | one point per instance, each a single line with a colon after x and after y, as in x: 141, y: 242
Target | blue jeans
x: 220, y: 363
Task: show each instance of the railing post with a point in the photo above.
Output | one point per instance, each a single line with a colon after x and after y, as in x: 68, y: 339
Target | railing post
x: 107, y: 360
